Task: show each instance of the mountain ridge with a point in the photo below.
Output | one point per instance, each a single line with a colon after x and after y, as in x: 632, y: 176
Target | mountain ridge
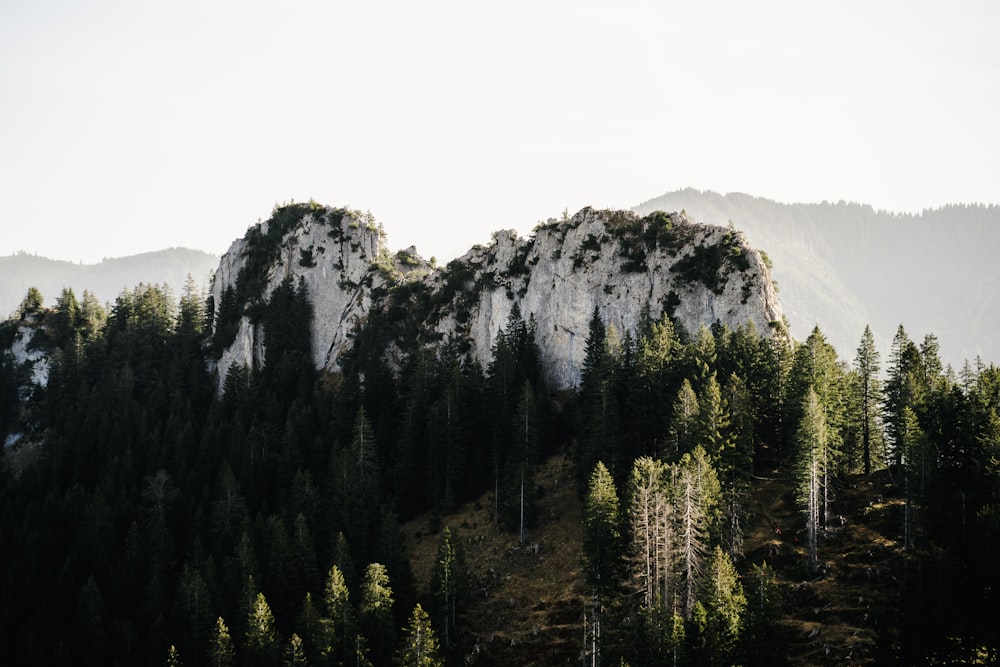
x: 621, y: 265
x: 842, y: 265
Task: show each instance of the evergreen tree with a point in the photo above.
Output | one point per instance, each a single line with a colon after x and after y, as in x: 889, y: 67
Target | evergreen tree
x: 726, y: 607
x: 194, y: 605
x: 685, y: 422
x: 657, y: 355
x: 295, y: 653
x: 312, y: 628
x: 869, y: 389
x: 651, y: 524
x: 811, y: 469
x: 598, y: 403
x: 913, y: 457
x: 602, y: 547
x: 697, y: 496
x: 358, y: 484
x: 337, y: 626
x: 262, y: 643
x: 519, y: 476
x: 221, y: 652
x: 735, y: 465
x: 173, y: 657
x: 419, y: 647
x: 448, y: 581
x: 815, y: 367
x: 376, y: 611
x: 901, y: 389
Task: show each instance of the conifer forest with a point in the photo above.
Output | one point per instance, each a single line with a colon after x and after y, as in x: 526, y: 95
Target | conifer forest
x: 156, y: 518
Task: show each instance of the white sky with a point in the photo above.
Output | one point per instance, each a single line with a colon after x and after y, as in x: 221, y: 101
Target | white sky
x: 128, y: 126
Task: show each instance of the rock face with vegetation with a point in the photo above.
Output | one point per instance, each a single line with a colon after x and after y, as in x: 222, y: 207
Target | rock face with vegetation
x: 843, y: 266
x: 625, y: 266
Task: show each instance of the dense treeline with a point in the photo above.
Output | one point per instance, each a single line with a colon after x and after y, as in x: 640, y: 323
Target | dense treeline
x: 161, y: 521
x: 673, y: 449
x: 161, y: 515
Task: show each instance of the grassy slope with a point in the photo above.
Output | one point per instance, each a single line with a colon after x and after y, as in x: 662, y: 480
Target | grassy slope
x: 527, y: 608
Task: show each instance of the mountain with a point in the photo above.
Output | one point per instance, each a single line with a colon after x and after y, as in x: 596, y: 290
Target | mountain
x: 538, y: 445
x: 624, y: 266
x: 105, y: 279
x: 844, y: 265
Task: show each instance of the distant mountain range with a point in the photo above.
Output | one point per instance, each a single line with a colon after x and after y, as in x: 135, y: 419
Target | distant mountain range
x: 837, y: 265
x: 843, y: 265
x: 106, y: 279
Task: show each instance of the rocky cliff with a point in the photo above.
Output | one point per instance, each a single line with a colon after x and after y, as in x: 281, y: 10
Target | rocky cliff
x: 625, y: 265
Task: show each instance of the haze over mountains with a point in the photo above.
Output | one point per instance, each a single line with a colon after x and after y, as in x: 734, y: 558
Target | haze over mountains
x: 837, y: 265
x: 105, y: 279
x: 843, y: 265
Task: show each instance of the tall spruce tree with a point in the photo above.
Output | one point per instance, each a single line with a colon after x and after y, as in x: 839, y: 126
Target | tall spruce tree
x: 869, y: 394
x: 448, y: 581
x: 602, y: 548
x: 419, y: 645
x: 811, y: 469
x: 221, y: 652
x: 263, y: 645
x: 726, y: 605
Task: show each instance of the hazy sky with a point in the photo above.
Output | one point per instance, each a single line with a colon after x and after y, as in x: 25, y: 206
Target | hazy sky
x: 130, y: 126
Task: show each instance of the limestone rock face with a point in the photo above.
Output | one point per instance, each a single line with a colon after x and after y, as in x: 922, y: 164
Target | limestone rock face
x: 625, y: 266
x: 25, y: 355
x: 336, y: 255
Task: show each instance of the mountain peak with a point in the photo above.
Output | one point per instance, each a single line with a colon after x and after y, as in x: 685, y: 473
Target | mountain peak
x: 627, y: 267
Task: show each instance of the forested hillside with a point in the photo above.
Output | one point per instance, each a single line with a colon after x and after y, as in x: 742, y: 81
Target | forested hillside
x: 149, y: 519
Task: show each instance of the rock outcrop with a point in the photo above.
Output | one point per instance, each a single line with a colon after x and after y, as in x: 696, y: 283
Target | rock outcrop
x: 625, y: 266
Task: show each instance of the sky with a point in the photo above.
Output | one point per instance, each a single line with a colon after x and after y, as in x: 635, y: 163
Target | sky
x: 128, y: 126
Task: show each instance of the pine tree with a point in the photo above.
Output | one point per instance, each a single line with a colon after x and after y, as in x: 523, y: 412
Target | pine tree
x: 295, y: 654
x: 713, y: 422
x: 447, y: 584
x: 173, y: 657
x: 311, y: 627
x: 658, y: 350
x: 598, y: 403
x: 901, y: 389
x: 866, y: 364
x: 811, y: 469
x: 376, y: 612
x: 221, y: 652
x: 735, y: 466
x: 193, y: 610
x: 726, y: 606
x: 263, y: 645
x: 522, y: 456
x: 602, y: 548
x: 419, y: 646
x: 337, y: 625
x: 652, y: 529
x: 697, y: 496
x: 913, y: 458
x: 685, y: 422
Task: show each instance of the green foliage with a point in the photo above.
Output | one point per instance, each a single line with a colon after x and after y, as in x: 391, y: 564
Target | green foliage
x: 712, y: 265
x: 603, y: 544
x: 262, y: 642
x: 261, y: 249
x: 449, y: 580
x: 419, y: 645
x: 306, y: 258
x: 222, y: 653
x: 159, y: 506
x: 31, y: 303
